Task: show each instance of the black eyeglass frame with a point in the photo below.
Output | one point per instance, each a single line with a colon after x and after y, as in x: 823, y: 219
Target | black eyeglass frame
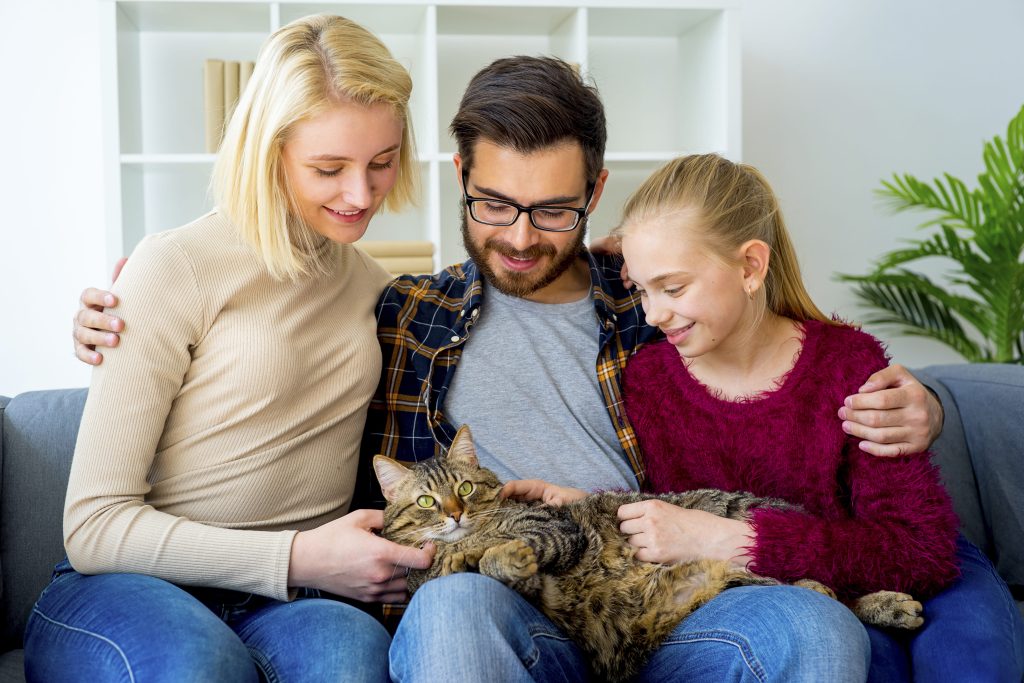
x: 581, y: 213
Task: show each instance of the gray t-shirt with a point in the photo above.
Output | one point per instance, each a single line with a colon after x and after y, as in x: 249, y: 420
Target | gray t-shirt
x: 527, y: 386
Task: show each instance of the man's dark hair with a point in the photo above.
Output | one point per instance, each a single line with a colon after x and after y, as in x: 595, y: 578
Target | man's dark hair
x: 527, y: 104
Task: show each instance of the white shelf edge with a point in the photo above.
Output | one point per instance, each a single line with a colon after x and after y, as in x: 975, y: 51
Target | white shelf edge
x: 168, y: 158
x: 203, y: 158
x: 644, y: 156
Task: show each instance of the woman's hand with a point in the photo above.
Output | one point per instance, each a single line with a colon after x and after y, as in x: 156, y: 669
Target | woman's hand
x: 538, y: 489
x: 345, y: 557
x: 666, y: 533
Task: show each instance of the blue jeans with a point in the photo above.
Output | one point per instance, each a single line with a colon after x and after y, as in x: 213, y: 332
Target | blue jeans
x: 973, y: 631
x: 133, y: 627
x: 472, y: 628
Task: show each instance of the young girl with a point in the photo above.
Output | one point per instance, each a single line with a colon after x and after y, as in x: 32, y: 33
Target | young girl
x: 207, y: 506
x: 739, y: 396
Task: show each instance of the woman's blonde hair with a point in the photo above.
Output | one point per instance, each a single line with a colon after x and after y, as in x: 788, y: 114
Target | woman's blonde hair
x: 734, y: 205
x: 303, y: 69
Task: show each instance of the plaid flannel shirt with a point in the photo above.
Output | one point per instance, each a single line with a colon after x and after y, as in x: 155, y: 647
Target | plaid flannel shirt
x: 422, y: 323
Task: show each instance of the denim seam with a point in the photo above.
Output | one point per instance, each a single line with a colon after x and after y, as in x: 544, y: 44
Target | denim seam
x: 124, y: 658
x: 546, y: 633
x: 1008, y: 603
x: 263, y: 664
x: 536, y: 633
x: 755, y: 667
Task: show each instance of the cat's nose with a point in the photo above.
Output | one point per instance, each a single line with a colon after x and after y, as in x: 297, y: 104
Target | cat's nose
x: 453, y: 508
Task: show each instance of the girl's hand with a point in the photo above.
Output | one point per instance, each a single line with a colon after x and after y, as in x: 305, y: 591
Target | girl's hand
x: 345, y: 557
x: 665, y: 533
x: 537, y: 489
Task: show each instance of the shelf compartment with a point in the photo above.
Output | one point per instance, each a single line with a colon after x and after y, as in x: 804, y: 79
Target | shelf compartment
x: 160, y: 77
x: 408, y: 32
x: 469, y: 38
x: 690, y: 105
x: 624, y: 177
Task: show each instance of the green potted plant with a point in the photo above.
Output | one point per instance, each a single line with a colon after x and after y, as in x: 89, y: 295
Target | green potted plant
x: 979, y: 309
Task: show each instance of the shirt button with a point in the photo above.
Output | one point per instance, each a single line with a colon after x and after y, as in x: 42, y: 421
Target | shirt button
x: 475, y: 311
x: 455, y: 338
x: 462, y: 313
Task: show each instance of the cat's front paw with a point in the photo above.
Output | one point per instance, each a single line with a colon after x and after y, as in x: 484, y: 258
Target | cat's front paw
x: 889, y: 608
x: 510, y: 561
x: 460, y: 561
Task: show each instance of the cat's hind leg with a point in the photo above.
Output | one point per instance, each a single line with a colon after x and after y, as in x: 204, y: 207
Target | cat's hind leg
x: 889, y: 608
x: 817, y: 587
x: 696, y: 583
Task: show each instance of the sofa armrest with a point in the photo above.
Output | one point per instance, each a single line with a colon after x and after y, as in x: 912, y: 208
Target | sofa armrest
x: 4, y: 400
x: 39, y: 441
x: 950, y: 453
x: 987, y: 398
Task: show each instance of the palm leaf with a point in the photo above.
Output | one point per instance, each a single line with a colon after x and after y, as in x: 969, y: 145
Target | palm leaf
x: 980, y: 233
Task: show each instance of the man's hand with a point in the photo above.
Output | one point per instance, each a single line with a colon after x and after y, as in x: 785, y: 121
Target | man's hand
x: 610, y: 245
x: 894, y: 414
x: 93, y: 327
x: 537, y: 489
x: 346, y: 558
x: 666, y: 533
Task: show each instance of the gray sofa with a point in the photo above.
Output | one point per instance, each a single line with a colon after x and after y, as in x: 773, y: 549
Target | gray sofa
x: 981, y: 453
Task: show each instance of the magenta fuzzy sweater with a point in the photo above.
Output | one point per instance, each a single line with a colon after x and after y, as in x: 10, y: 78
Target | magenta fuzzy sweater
x: 869, y: 523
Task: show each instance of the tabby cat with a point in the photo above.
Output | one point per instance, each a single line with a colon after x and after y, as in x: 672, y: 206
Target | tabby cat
x: 572, y: 561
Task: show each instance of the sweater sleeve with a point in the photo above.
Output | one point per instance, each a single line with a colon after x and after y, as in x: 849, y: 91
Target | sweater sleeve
x: 899, y: 534
x: 108, y: 526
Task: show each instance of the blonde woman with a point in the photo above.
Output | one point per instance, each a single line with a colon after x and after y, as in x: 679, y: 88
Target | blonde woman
x: 206, y: 509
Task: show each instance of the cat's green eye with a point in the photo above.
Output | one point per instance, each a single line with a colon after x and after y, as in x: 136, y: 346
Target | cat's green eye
x: 425, y: 501
x: 465, y: 488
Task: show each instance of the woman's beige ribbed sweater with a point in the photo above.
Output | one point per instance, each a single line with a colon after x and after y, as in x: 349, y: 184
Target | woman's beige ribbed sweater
x: 229, y: 416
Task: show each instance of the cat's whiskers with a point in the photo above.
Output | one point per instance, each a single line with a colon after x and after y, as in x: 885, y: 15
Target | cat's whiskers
x: 422, y: 533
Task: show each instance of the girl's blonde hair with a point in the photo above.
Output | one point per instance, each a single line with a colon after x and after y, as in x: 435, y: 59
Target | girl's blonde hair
x: 303, y: 69
x: 734, y: 204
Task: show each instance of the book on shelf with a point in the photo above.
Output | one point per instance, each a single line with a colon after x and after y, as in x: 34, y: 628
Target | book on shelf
x: 230, y: 90
x: 245, y: 70
x: 223, y: 83
x: 213, y: 102
x: 398, y: 257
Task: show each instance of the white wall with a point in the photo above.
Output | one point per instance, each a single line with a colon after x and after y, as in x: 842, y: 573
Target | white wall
x: 51, y: 192
x: 837, y: 95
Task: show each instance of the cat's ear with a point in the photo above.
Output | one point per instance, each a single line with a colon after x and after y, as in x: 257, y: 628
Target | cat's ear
x: 462, y: 449
x: 389, y: 473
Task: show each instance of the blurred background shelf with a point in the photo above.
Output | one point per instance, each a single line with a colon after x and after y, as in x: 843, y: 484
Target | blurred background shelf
x: 668, y: 72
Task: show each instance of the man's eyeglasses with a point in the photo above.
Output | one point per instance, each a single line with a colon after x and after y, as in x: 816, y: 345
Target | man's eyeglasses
x: 501, y: 213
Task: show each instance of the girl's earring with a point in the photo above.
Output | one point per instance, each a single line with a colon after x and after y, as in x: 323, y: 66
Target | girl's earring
x: 750, y: 292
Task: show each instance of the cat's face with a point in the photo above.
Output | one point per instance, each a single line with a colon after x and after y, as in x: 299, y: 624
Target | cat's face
x: 442, y: 499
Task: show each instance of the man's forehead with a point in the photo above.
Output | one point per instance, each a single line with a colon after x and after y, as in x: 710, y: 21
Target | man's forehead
x: 555, y: 170
x: 567, y: 150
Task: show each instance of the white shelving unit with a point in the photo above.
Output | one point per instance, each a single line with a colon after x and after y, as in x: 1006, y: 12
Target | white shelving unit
x: 668, y: 72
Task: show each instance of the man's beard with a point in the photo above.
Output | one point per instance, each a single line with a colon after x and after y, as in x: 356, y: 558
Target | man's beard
x: 516, y: 284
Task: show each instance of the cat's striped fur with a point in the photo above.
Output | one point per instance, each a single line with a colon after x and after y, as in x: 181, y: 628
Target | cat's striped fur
x: 571, y: 561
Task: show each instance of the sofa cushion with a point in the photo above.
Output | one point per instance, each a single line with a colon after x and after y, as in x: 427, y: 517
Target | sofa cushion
x: 954, y: 460
x: 12, y: 667
x: 39, y: 433
x: 987, y: 396
x: 3, y: 404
